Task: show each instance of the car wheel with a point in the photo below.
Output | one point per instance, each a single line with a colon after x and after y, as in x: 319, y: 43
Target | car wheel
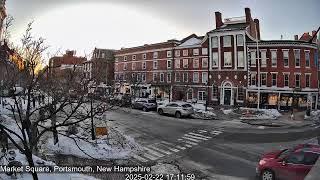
x: 267, y: 175
x: 160, y: 111
x: 145, y: 109
x: 177, y: 114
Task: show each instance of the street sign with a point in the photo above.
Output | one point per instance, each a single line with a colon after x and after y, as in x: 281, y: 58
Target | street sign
x: 101, y: 131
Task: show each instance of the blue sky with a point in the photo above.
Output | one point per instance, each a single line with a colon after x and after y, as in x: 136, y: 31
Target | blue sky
x: 83, y: 25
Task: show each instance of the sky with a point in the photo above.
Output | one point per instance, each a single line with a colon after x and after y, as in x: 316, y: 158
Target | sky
x: 82, y: 25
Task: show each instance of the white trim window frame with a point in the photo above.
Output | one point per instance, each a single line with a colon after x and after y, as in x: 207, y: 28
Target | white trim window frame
x: 185, y: 63
x: 204, y: 62
x: 263, y: 79
x: 274, y: 57
x: 155, y: 64
x: 169, y: 53
x: 286, y: 60
x: 307, y: 58
x: 202, y: 95
x: 253, y: 79
x: 177, y: 77
x: 297, y: 58
x: 274, y: 77
x: 215, y: 42
x: 169, y: 77
x: 185, y: 52
x: 169, y: 64
x: 144, y: 77
x: 195, y: 63
x: 155, y: 55
x: 144, y: 56
x: 177, y: 64
x: 240, y: 40
x: 286, y: 79
x: 263, y: 57
x: 133, y: 66
x: 204, y: 77
x: 144, y: 65
x: 134, y: 57
x: 227, y: 41
x: 308, y: 80
x: 177, y: 53
x: 215, y: 59
x: 154, y: 77
x: 161, y: 77
x: 240, y: 59
x: 195, y: 77
x: 227, y: 59
x: 195, y: 52
x: 125, y: 66
x: 253, y: 58
x: 297, y: 85
x: 190, y: 92
x: 125, y: 58
x: 185, y: 77
x: 204, y: 51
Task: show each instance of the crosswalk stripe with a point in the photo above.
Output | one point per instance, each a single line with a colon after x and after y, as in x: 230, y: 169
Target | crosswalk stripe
x: 170, y: 148
x: 195, y: 140
x: 158, y: 149
x: 216, y: 132
x: 203, y: 131
x: 149, y: 156
x: 196, y: 137
x: 153, y: 152
x: 187, y: 145
x: 192, y: 143
x: 180, y: 147
x: 140, y: 158
x: 200, y: 135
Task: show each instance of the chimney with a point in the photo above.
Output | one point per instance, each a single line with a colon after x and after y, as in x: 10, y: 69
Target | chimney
x: 256, y: 21
x: 219, y: 22
x: 314, y: 33
x: 248, y: 15
x: 296, y: 37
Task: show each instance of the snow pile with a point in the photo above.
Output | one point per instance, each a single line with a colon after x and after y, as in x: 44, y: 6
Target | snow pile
x: 161, y: 168
x: 113, y: 146
x: 315, y: 115
x: 227, y: 111
x: 11, y: 124
x: 271, y: 112
x: 260, y: 114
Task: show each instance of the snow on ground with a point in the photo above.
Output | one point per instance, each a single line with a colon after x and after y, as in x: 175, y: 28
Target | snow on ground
x: 227, y: 111
x: 263, y: 113
x: 162, y: 168
x: 11, y: 124
x: 114, y: 146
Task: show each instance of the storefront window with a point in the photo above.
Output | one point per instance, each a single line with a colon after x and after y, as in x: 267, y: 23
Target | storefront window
x: 272, y: 99
x: 253, y: 98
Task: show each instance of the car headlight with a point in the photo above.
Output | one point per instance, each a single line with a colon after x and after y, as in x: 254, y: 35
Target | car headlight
x: 262, y: 162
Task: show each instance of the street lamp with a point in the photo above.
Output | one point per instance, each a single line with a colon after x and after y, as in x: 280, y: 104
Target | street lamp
x: 93, y: 137
x: 207, y: 84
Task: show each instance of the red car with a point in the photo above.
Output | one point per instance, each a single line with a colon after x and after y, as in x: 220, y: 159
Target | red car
x: 288, y: 164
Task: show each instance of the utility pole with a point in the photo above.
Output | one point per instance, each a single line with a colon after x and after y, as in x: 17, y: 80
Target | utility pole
x: 91, y: 114
x: 258, y: 69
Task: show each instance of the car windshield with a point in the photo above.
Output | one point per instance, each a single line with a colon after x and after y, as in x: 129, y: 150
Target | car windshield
x: 151, y: 101
x: 285, y: 153
x: 186, y: 105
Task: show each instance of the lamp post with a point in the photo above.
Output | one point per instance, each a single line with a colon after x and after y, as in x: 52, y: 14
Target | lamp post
x: 93, y: 137
x: 207, y: 84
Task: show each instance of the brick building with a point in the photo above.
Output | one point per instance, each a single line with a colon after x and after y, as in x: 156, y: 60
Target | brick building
x: 222, y: 67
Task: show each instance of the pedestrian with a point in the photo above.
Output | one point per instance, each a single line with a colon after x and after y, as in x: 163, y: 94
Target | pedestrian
x: 292, y: 116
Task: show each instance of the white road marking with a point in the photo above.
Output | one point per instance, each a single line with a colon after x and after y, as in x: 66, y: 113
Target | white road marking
x: 180, y: 147
x: 149, y: 156
x: 160, y: 150
x: 187, y: 145
x: 195, y: 140
x: 200, y: 135
x: 153, y: 152
x: 203, y: 131
x: 216, y: 132
x: 192, y: 143
x: 196, y: 137
x: 140, y: 158
x: 170, y: 148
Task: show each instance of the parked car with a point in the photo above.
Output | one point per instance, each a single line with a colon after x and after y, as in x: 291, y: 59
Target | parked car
x: 288, y: 164
x: 145, y: 104
x: 177, y: 109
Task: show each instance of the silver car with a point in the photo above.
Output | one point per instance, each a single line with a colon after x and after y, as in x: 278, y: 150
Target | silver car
x: 177, y: 109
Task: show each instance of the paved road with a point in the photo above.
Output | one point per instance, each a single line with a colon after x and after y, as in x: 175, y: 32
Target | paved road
x: 196, y: 146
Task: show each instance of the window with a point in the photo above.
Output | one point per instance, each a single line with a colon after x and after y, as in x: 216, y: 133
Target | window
x: 215, y: 59
x: 240, y: 59
x: 103, y: 55
x: 138, y: 77
x: 133, y: 57
x: 297, y: 57
x: 286, y: 80
x: 195, y: 77
x: 185, y: 63
x: 239, y: 40
x: 204, y: 51
x: 297, y: 77
x: 308, y: 80
x: 155, y: 64
x: 177, y: 53
x: 286, y: 58
x: 133, y: 66
x: 215, y: 92
x: 177, y: 63
x: 227, y: 59
x: 177, y: 77
x: 274, y: 58
x: 240, y: 94
x: 310, y: 158
x: 214, y: 42
x: 155, y: 55
x: 125, y: 58
x: 133, y: 76
x: 116, y: 59
x: 226, y: 41
x: 204, y: 62
x: 196, y: 52
x: 253, y: 79
x: 143, y: 77
x: 195, y: 63
x: 185, y: 77
x: 263, y: 79
x: 169, y: 77
x: 202, y: 96
x: 274, y: 79
x: 185, y: 52
x: 204, y: 77
x: 189, y: 94
x: 154, y: 77
x: 161, y: 77
x: 144, y: 65
x: 169, y: 53
x: 116, y: 67
x: 296, y: 158
x: 253, y: 58
x: 125, y: 66
x: 144, y: 56
x: 263, y: 58
x: 169, y: 64
x: 307, y: 57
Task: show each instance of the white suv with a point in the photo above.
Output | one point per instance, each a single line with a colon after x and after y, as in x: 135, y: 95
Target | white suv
x: 176, y: 108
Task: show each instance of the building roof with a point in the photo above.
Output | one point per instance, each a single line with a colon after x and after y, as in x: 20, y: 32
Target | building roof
x: 231, y: 27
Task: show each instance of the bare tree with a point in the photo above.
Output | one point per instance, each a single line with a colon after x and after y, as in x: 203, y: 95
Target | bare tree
x: 43, y: 100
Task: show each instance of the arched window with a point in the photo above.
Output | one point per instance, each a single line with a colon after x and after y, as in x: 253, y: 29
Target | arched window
x: 189, y: 94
